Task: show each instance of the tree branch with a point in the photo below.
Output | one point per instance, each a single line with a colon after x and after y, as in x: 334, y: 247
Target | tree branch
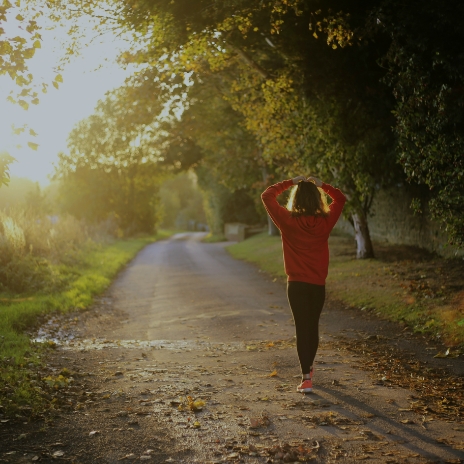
x: 249, y: 61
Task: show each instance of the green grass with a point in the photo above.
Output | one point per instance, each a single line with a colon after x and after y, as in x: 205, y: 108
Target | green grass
x: 210, y: 238
x: 91, y: 276
x: 262, y: 250
x: 375, y: 285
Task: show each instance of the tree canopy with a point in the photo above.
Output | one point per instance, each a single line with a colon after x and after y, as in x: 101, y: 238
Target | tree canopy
x: 239, y: 88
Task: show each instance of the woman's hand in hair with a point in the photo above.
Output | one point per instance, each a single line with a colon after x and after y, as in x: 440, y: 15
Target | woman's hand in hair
x: 317, y: 181
x: 298, y: 179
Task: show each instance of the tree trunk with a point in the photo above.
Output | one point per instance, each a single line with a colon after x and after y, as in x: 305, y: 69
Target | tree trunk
x: 362, y: 236
x: 272, y: 229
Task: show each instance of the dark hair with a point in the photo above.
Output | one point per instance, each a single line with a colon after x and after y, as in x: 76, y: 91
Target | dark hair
x: 306, y: 200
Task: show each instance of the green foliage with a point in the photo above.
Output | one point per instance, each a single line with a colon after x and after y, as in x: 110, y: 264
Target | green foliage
x: 292, y: 102
x: 110, y: 170
x: 88, y: 275
x: 181, y: 202
x: 426, y: 73
x: 5, y: 161
x: 37, y: 252
x: 223, y: 205
x: 303, y: 91
x: 16, y: 51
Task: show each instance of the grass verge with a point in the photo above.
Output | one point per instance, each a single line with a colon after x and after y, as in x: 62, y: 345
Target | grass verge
x: 19, y: 357
x: 403, y: 284
x: 210, y: 238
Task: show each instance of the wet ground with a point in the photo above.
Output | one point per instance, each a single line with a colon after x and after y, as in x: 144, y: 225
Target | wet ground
x: 190, y: 357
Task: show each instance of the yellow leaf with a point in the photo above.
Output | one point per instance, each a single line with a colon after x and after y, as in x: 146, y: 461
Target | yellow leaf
x: 18, y: 130
x: 33, y: 132
x: 37, y: 44
x: 196, y: 425
x: 273, y: 373
x: 34, y: 146
x: 59, y: 78
x: 20, y: 18
x: 23, y: 104
x: 55, y: 84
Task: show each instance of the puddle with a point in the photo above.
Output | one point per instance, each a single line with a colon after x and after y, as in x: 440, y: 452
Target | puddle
x: 211, y: 315
x: 100, y: 344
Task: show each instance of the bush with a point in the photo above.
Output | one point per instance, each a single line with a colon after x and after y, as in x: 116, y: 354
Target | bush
x: 32, y: 248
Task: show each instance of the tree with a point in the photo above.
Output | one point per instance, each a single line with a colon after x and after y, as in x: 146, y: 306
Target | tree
x: 181, y: 201
x: 15, y: 52
x: 308, y: 107
x: 426, y: 73
x: 111, y: 167
x: 305, y: 79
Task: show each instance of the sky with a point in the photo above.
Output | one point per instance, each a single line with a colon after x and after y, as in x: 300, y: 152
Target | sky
x: 85, y: 81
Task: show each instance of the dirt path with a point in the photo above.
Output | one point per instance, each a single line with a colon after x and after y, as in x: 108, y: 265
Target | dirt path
x: 189, y: 357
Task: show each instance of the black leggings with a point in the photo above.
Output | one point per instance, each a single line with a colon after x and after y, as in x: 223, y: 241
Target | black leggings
x: 306, y: 301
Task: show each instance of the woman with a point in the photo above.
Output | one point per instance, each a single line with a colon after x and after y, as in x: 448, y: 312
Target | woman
x: 305, y: 227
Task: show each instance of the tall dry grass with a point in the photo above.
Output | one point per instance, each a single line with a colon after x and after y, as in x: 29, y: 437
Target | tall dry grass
x: 34, y: 245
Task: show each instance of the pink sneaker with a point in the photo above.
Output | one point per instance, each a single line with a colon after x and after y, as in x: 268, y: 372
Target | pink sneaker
x: 306, y: 386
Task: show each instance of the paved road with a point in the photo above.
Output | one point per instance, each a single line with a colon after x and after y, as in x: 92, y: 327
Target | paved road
x: 183, y: 320
x: 183, y: 288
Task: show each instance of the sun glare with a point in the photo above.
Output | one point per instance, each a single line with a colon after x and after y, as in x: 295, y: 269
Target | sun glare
x: 85, y: 80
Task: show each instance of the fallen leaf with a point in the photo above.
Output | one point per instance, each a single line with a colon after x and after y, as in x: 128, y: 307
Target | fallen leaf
x: 255, y: 423
x: 58, y: 454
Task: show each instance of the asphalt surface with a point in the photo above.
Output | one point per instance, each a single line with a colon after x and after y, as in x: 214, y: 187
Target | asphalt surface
x: 184, y: 319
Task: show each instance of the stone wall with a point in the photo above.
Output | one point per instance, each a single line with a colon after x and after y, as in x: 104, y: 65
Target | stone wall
x: 393, y: 221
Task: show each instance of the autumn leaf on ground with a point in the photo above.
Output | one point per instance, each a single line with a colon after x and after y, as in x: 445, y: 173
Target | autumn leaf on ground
x: 273, y: 373
x: 189, y: 403
x: 256, y: 422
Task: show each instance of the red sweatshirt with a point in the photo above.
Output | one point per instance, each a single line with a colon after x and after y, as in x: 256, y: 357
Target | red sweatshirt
x: 304, y: 238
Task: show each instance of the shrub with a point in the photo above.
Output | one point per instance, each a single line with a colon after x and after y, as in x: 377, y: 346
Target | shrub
x: 33, y: 246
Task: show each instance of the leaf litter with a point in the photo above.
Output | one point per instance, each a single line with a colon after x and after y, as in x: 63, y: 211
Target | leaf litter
x: 436, y: 393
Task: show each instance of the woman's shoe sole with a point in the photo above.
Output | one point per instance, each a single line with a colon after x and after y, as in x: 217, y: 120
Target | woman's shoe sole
x: 304, y: 390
